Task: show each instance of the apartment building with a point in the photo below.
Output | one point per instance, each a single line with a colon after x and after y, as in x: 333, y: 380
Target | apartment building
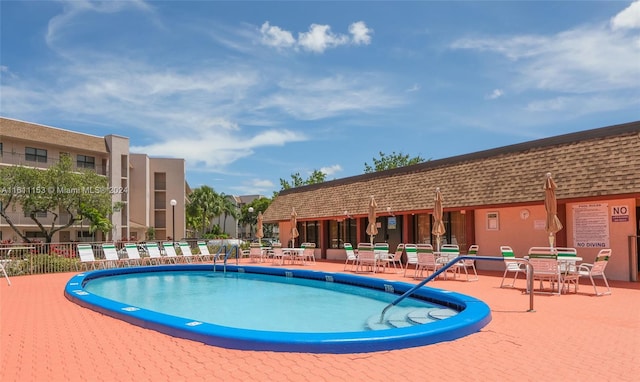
x: 151, y: 191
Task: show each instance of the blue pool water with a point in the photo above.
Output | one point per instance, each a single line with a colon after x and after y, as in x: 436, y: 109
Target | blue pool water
x: 253, y: 301
x: 278, y: 309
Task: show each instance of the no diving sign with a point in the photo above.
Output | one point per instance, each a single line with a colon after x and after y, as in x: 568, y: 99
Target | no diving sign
x: 619, y: 214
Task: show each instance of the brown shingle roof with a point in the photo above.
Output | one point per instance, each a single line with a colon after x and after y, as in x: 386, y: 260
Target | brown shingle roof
x: 32, y: 132
x: 587, y: 164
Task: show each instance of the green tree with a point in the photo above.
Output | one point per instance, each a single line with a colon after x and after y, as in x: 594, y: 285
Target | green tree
x: 316, y: 176
x: 55, y: 198
x: 251, y: 218
x: 229, y: 208
x: 387, y: 162
x: 202, y: 208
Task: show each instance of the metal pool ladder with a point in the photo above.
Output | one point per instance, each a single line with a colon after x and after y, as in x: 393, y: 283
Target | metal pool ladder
x: 453, y: 262
x: 226, y: 255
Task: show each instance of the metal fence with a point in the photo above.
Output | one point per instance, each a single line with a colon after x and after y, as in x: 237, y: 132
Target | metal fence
x: 39, y: 258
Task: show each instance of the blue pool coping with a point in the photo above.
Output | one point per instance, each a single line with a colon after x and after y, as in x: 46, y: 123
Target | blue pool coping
x: 473, y: 315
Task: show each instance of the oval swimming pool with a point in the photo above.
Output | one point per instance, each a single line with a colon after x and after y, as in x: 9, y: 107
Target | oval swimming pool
x: 278, y: 309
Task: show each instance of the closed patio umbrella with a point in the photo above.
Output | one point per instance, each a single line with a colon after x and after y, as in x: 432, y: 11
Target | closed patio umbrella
x: 438, y: 225
x: 372, y: 229
x: 553, y: 224
x: 260, y: 228
x: 294, y: 228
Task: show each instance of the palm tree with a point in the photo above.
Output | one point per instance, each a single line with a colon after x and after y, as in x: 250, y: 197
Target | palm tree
x: 229, y: 208
x: 202, y: 206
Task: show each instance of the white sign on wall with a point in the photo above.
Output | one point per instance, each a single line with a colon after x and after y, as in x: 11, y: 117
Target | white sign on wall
x: 591, y: 225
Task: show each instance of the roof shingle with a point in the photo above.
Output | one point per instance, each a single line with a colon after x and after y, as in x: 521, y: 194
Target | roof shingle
x: 593, y: 163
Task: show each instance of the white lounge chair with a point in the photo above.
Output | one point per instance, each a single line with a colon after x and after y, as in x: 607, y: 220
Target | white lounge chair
x: 155, y: 257
x: 132, y: 254
x: 111, y: 256
x: 87, y: 258
x: 205, y: 255
x: 170, y: 253
x: 187, y: 255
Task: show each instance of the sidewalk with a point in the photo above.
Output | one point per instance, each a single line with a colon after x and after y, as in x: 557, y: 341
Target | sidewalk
x: 44, y: 337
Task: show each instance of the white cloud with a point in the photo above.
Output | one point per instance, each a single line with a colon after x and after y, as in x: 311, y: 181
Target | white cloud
x: 360, y: 33
x: 414, y: 88
x: 581, y: 60
x: 582, y: 105
x: 318, y: 39
x: 629, y: 18
x: 311, y: 99
x: 331, y: 170
x: 276, y: 37
x: 74, y: 8
x: 496, y: 93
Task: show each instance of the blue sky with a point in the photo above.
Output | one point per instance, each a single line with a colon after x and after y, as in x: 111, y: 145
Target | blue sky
x: 251, y: 92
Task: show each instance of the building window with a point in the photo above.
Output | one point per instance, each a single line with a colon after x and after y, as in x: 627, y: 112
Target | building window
x: 0, y: 149
x: 39, y: 214
x: 84, y: 161
x: 342, y: 231
x: 34, y: 234
x: 35, y: 155
x: 309, y: 232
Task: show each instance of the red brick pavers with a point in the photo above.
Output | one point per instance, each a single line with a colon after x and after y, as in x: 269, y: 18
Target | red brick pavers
x: 44, y: 337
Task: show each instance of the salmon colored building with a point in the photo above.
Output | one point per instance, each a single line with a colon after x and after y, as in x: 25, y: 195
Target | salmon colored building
x: 143, y: 186
x: 491, y: 198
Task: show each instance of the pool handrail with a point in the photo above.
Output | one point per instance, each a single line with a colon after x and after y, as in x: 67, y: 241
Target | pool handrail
x: 226, y: 255
x: 453, y: 262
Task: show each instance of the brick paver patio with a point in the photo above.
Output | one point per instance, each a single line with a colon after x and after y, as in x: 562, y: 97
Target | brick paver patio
x: 44, y: 337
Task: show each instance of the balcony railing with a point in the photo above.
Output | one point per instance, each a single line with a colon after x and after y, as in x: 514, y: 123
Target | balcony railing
x: 20, y: 160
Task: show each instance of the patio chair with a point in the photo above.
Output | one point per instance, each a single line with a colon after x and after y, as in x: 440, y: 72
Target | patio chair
x: 412, y: 257
x: 426, y: 260
x: 170, y: 253
x: 133, y: 256
x: 155, y: 257
x: 278, y: 253
x: 511, y: 266
x: 255, y: 252
x: 351, y: 256
x: 309, y: 252
x: 366, y: 257
x: 4, y: 271
x: 544, y: 261
x: 465, y: 264
x: 395, y: 259
x: 597, y: 269
x: 87, y: 258
x: 187, y: 255
x: 449, y: 252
